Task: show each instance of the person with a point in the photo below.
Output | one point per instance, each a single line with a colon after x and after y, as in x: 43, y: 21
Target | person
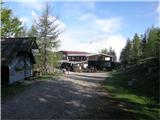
x: 64, y: 70
x: 68, y: 69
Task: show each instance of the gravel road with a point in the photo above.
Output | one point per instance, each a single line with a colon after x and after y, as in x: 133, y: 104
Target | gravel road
x: 66, y: 97
x: 73, y: 96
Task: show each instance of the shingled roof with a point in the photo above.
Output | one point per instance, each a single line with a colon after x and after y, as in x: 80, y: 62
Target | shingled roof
x: 74, y: 52
x: 10, y: 47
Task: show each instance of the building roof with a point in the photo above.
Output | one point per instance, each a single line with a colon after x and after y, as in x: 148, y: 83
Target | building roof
x: 74, y: 52
x: 95, y: 54
x: 72, y: 62
x: 10, y: 47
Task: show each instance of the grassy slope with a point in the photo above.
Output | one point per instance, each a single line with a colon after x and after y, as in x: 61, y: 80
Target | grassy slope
x: 142, y: 107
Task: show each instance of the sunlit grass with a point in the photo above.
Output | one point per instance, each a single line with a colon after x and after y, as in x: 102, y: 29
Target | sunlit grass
x: 140, y: 105
x: 48, y: 76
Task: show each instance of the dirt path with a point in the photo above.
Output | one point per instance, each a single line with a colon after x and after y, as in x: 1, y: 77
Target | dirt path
x: 68, y: 97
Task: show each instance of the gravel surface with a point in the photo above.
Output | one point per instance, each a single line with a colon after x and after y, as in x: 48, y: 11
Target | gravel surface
x: 73, y: 96
x: 66, y: 97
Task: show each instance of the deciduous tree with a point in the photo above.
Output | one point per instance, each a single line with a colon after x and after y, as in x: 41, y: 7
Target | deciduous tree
x: 10, y: 26
x: 109, y: 52
x: 104, y: 51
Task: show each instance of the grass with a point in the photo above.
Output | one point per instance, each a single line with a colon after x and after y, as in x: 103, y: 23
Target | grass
x: 141, y: 106
x: 48, y: 76
x: 8, y: 91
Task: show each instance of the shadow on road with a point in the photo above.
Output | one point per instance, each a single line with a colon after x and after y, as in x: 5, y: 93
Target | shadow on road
x: 62, y: 99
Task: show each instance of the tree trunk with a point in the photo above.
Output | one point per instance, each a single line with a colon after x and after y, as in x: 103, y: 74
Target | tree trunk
x: 45, y: 59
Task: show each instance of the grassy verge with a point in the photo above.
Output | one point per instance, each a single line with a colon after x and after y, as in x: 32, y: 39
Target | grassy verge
x: 48, y: 76
x: 141, y: 106
x: 8, y: 91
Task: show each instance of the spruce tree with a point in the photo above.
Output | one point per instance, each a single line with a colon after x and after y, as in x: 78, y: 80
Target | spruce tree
x: 136, y: 49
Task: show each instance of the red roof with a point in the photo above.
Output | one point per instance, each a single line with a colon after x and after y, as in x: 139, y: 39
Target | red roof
x: 74, y: 52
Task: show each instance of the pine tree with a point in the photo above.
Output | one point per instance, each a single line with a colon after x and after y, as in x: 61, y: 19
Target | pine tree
x: 146, y: 46
x: 153, y: 42
x: 47, y: 33
x: 123, y: 58
x: 136, y: 49
x: 126, y: 54
x: 143, y: 43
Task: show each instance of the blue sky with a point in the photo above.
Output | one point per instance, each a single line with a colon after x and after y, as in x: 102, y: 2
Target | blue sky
x: 92, y: 26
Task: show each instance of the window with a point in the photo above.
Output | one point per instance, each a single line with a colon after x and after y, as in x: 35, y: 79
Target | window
x: 107, y: 58
x: 72, y: 58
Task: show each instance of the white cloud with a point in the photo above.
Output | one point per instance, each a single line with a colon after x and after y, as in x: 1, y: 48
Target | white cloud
x: 61, y: 25
x: 108, y: 25
x: 24, y: 20
x: 116, y: 41
x: 34, y: 15
x: 158, y: 8
x: 88, y: 16
x: 34, y: 5
x: 38, y: 5
x: 95, y: 34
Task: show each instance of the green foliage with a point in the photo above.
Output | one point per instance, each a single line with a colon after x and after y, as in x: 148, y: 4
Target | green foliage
x: 53, y: 59
x: 112, y: 53
x: 1, y: 2
x: 10, y: 26
x: 146, y: 75
x: 126, y: 53
x: 140, y: 106
x: 104, y: 51
x: 141, y: 47
x: 33, y: 31
x: 136, y: 49
x: 143, y: 43
x: 48, y: 34
x: 143, y: 68
x: 39, y: 61
x: 153, y: 42
x: 49, y: 76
